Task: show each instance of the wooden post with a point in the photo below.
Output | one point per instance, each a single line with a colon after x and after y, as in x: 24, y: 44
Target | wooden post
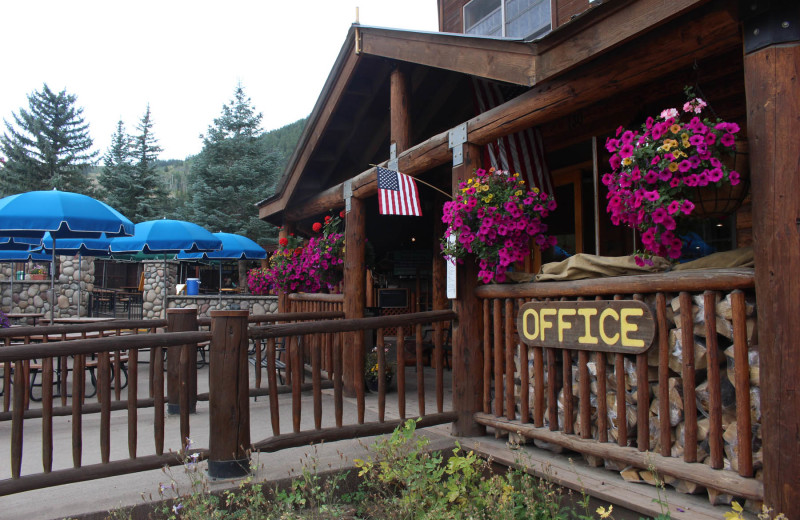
x: 399, y: 110
x: 773, y: 124
x: 181, y: 320
x: 354, y: 285
x: 229, y: 412
x: 467, y: 331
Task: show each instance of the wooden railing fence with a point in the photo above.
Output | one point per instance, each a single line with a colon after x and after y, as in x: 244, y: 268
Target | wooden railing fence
x: 174, y: 351
x: 337, y: 327
x: 639, y: 410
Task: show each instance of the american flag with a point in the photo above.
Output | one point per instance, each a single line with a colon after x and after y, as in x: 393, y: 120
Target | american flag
x: 521, y: 152
x: 397, y: 194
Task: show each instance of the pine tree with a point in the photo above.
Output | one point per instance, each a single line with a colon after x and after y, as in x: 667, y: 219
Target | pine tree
x: 116, y: 180
x: 130, y: 181
x: 47, y: 146
x: 233, y: 172
x: 149, y: 187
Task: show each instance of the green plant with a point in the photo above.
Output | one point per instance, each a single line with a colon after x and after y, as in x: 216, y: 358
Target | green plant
x: 38, y: 269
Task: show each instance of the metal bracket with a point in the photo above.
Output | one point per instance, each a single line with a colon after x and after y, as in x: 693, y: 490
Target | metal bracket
x: 392, y: 157
x: 769, y: 22
x: 456, y: 138
x: 347, y: 193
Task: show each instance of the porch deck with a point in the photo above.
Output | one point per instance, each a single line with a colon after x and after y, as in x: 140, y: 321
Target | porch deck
x: 130, y: 490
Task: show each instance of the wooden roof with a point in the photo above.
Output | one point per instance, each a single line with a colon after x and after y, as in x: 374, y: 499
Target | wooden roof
x: 349, y: 127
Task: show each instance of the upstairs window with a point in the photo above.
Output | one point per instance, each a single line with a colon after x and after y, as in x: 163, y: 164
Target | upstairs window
x: 507, y: 18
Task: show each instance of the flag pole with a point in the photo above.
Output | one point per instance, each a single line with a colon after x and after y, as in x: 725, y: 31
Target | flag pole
x: 425, y: 183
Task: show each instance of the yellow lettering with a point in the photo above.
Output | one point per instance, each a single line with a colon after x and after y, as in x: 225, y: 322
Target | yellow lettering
x: 587, y: 338
x: 627, y: 328
x: 609, y: 340
x: 545, y: 324
x: 532, y: 313
x: 563, y: 325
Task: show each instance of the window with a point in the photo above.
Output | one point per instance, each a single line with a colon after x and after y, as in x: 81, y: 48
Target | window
x: 507, y: 18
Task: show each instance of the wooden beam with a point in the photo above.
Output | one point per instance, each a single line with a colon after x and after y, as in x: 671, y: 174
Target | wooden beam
x: 708, y: 33
x: 773, y: 106
x: 508, y: 61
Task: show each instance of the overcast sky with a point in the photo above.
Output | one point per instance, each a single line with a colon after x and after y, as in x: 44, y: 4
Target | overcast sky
x: 185, y: 58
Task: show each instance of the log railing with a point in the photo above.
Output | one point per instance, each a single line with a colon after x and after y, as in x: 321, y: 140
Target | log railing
x: 229, y: 389
x: 102, y: 347
x: 693, y: 414
x: 305, y: 302
x: 337, y: 327
x: 48, y: 369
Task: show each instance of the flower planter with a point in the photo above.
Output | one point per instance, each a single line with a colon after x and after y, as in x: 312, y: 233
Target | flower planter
x: 372, y: 383
x: 35, y: 276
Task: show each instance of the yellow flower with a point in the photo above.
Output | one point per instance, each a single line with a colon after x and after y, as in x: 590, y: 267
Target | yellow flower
x: 603, y: 513
x: 516, y: 175
x: 521, y: 183
x: 673, y: 167
x: 627, y: 161
x: 536, y: 190
x: 675, y: 129
x: 678, y: 153
x: 518, y: 193
x: 490, y: 197
x: 685, y: 136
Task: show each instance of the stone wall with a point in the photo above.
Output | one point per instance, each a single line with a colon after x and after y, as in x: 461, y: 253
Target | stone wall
x: 153, y: 294
x: 205, y: 303
x: 33, y: 296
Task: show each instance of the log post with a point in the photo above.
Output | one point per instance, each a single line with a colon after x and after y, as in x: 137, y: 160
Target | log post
x: 354, y: 286
x: 467, y: 330
x: 228, y: 410
x: 181, y: 320
x: 399, y: 110
x: 771, y: 69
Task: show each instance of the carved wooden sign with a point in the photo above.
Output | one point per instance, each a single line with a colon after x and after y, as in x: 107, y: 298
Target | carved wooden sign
x: 624, y: 326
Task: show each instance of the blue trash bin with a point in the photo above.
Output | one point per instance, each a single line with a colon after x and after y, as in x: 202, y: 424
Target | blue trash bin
x: 193, y: 286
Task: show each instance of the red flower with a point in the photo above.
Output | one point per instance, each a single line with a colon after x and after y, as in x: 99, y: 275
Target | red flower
x: 316, y: 227
x: 341, y: 214
x: 283, y: 241
x: 327, y: 219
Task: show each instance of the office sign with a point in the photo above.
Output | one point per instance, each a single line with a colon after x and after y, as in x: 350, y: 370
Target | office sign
x: 624, y: 326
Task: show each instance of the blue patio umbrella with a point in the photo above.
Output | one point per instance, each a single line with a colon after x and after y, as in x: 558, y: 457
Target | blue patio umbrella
x: 62, y: 213
x: 97, y: 247
x: 234, y: 247
x: 166, y: 236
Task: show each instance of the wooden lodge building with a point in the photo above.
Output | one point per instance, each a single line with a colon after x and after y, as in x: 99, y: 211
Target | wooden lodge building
x: 571, y: 72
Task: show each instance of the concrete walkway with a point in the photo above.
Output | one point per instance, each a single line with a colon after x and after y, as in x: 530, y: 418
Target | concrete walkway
x: 80, y: 499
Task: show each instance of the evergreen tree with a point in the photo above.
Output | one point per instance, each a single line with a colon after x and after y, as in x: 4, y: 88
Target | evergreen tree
x: 47, y: 146
x: 151, y: 193
x: 130, y: 181
x: 117, y: 178
x: 233, y: 172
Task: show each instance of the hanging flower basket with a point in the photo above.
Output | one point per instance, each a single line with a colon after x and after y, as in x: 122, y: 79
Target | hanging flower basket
x: 717, y: 202
x: 495, y: 219
x: 313, y: 267
x: 657, y: 171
